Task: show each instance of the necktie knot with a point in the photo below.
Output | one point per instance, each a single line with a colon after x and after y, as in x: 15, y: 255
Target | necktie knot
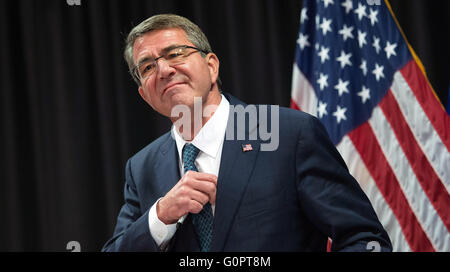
x: 190, y: 152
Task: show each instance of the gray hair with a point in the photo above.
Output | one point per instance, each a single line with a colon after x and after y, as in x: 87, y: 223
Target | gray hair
x: 164, y: 21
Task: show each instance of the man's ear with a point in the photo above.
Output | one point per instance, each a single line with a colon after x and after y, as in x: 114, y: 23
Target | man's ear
x: 142, y: 94
x: 213, y: 64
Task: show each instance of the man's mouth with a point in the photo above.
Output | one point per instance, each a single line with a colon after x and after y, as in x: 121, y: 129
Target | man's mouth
x: 171, y: 85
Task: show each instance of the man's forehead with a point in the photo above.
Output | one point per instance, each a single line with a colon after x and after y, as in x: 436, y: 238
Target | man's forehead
x: 152, y: 43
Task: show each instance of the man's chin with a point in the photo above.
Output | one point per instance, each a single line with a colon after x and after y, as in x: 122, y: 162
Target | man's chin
x: 178, y: 96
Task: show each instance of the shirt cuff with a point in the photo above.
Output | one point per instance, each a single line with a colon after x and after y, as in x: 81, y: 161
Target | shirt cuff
x: 160, y: 232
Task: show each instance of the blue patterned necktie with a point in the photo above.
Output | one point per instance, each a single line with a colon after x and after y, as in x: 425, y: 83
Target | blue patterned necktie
x: 203, y: 221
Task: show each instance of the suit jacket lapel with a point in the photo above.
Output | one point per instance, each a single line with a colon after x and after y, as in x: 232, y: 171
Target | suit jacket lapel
x: 168, y: 171
x: 236, y: 167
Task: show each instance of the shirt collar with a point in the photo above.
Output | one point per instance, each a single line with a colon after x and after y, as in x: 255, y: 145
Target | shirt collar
x: 210, y: 137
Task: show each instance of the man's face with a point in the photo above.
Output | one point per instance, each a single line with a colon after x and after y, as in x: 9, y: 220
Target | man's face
x: 169, y: 86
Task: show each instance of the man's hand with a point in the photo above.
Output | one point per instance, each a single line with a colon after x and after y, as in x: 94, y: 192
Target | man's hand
x: 189, y: 195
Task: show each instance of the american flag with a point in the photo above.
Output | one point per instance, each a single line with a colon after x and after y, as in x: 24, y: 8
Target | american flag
x: 247, y: 147
x: 355, y: 71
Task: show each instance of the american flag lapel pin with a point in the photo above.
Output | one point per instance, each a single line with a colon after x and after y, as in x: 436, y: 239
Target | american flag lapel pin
x: 247, y: 147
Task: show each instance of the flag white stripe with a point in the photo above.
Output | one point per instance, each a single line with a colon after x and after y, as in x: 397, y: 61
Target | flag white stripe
x: 427, y: 216
x: 387, y: 218
x: 422, y: 129
x: 302, y: 92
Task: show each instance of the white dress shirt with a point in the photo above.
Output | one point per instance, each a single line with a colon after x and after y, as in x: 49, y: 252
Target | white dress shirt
x: 210, y: 141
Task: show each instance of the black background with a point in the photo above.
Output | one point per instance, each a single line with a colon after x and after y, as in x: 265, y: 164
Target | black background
x: 70, y: 115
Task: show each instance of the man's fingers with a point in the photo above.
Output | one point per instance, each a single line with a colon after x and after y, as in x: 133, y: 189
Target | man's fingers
x: 195, y: 207
x: 203, y: 182
x: 208, y: 188
x: 202, y: 176
x: 212, y: 199
x: 199, y: 197
x: 190, y: 194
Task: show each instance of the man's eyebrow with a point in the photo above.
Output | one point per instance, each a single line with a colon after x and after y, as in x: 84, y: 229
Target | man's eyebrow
x: 170, y: 47
x: 143, y: 60
x: 163, y: 51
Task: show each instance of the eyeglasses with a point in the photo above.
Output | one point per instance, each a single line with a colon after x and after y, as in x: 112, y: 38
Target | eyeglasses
x: 173, y: 55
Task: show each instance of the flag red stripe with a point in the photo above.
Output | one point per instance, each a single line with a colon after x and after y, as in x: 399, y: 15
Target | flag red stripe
x: 365, y: 142
x: 427, y: 177
x: 428, y: 101
x: 294, y: 105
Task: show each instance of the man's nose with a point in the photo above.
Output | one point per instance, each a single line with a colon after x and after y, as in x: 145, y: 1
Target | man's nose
x: 165, y: 70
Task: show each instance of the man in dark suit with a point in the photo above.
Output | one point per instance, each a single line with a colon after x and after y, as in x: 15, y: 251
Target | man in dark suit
x: 202, y: 187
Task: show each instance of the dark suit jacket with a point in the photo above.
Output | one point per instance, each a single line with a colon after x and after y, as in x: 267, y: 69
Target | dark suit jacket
x: 290, y: 199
